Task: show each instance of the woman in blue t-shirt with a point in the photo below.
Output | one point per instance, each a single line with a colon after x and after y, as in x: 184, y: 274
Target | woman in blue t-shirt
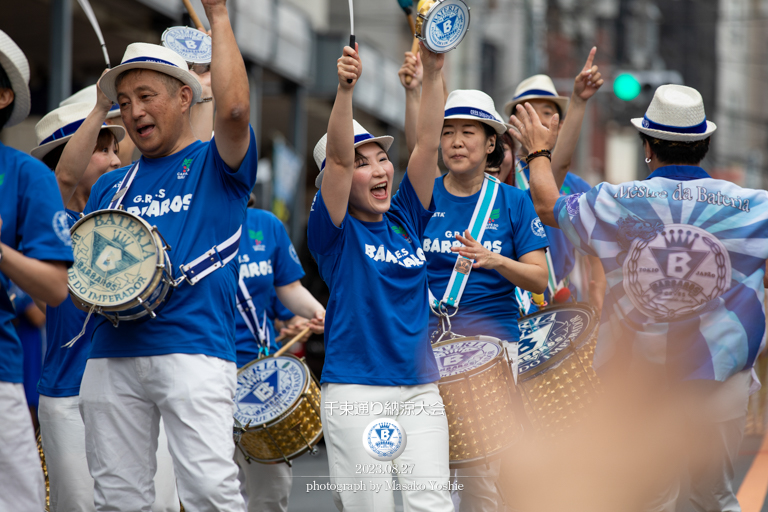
x: 378, y: 360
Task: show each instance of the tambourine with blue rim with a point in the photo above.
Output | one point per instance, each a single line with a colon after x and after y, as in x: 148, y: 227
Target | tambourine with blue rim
x: 191, y: 44
x: 442, y: 24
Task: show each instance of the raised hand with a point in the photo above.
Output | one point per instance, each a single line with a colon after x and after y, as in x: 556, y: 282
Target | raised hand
x: 411, y: 68
x: 102, y: 102
x: 589, y: 80
x: 349, y: 67
x: 474, y: 250
x: 530, y: 132
x: 431, y: 62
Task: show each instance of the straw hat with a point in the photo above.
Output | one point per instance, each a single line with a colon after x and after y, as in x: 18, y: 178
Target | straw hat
x: 537, y: 87
x: 475, y: 105
x: 156, y: 58
x: 88, y: 95
x: 15, y: 64
x: 362, y: 136
x: 58, y: 126
x: 676, y: 113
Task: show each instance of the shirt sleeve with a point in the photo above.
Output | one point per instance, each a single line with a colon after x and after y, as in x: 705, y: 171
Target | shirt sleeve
x: 323, y: 236
x: 43, y: 228
x: 570, y: 213
x: 244, y: 177
x: 407, y: 201
x: 286, y: 267
x: 529, y: 234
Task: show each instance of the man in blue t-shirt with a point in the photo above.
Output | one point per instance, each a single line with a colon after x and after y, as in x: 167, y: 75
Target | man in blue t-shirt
x: 180, y: 365
x: 685, y: 258
x: 35, y: 251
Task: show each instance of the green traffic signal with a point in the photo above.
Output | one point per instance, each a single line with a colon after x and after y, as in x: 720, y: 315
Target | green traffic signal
x: 626, y: 87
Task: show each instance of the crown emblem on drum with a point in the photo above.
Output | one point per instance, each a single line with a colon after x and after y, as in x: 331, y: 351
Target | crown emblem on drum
x: 683, y: 239
x: 122, y: 240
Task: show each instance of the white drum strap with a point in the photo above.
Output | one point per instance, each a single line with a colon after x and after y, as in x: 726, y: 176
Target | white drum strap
x: 125, y: 184
x: 521, y: 182
x: 248, y: 311
x: 463, y: 266
x: 213, y: 259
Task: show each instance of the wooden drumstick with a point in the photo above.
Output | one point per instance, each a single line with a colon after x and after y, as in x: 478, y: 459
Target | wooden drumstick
x: 414, y: 46
x: 193, y: 16
x: 293, y: 340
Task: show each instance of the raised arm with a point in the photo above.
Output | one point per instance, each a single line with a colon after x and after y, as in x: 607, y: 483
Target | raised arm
x: 340, y: 148
x: 429, y: 125
x: 301, y: 303
x: 229, y: 83
x: 535, y: 136
x: 586, y: 84
x: 411, y: 67
x: 202, y: 113
x: 77, y: 153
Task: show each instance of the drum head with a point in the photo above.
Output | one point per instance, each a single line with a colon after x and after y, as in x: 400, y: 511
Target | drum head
x: 268, y: 387
x: 465, y: 355
x: 546, y: 336
x: 116, y: 257
x: 445, y: 26
x: 194, y: 46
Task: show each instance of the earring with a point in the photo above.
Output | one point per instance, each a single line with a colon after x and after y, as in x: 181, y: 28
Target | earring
x: 647, y: 160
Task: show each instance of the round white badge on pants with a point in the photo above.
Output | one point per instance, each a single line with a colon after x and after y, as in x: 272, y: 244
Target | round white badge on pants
x: 384, y: 439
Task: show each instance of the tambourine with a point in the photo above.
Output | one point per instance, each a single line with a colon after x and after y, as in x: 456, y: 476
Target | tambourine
x: 121, y: 269
x: 442, y: 24
x: 193, y: 45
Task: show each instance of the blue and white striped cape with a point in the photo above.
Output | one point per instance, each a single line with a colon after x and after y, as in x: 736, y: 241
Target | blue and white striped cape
x: 684, y: 256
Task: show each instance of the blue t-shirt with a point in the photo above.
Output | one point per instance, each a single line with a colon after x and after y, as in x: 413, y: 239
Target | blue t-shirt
x: 34, y: 222
x: 376, y: 320
x: 63, y: 367
x: 197, y: 202
x: 488, y: 306
x: 684, y: 257
x: 267, y: 259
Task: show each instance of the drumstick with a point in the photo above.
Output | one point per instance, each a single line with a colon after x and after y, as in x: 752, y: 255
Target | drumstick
x: 294, y: 340
x: 351, y: 31
x: 86, y: 6
x: 193, y: 16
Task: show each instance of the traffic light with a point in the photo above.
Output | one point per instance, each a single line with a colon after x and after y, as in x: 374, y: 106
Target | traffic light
x: 628, y: 85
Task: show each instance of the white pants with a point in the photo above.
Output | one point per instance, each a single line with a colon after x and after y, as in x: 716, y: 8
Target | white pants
x: 22, y: 487
x: 71, y: 485
x: 265, y: 487
x: 426, y: 448
x: 122, y: 401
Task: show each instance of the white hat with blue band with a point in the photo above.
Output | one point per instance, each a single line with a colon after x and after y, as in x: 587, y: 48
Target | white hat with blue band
x: 475, y: 105
x: 362, y: 136
x: 676, y: 113
x: 88, y: 95
x: 15, y: 64
x: 537, y: 87
x: 58, y: 126
x: 153, y: 57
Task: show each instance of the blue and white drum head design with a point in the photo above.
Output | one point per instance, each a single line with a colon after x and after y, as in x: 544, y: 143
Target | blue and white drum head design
x: 547, y: 333
x: 267, y: 388
x: 445, y: 25
x: 194, y: 46
x: 464, y: 355
x: 384, y: 439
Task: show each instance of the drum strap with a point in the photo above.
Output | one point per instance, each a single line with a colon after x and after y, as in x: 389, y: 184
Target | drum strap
x: 463, y: 265
x: 125, y: 184
x: 521, y: 182
x: 248, y: 311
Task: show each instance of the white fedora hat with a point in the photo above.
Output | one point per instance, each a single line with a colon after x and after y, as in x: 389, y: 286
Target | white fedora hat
x: 88, y: 95
x: 475, y: 105
x: 15, y: 64
x: 58, y: 126
x: 362, y: 136
x: 537, y: 87
x: 154, y: 57
x: 676, y: 113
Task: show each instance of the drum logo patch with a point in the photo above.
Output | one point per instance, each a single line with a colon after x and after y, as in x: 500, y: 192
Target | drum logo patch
x: 447, y: 26
x: 193, y: 45
x: 463, y: 356
x: 61, y: 227
x: 676, y: 271
x: 268, y: 388
x: 384, y: 439
x: 538, y: 228
x: 546, y: 334
x: 463, y: 265
x: 114, y: 259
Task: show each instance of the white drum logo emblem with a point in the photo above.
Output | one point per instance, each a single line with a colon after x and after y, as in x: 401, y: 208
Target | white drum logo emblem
x: 675, y: 272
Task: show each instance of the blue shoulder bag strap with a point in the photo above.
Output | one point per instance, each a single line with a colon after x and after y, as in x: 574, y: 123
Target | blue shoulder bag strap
x: 248, y: 312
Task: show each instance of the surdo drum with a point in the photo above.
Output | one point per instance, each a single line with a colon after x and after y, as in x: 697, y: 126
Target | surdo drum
x: 442, y: 24
x: 277, y: 409
x: 556, y: 378
x: 121, y: 269
x: 478, y: 392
